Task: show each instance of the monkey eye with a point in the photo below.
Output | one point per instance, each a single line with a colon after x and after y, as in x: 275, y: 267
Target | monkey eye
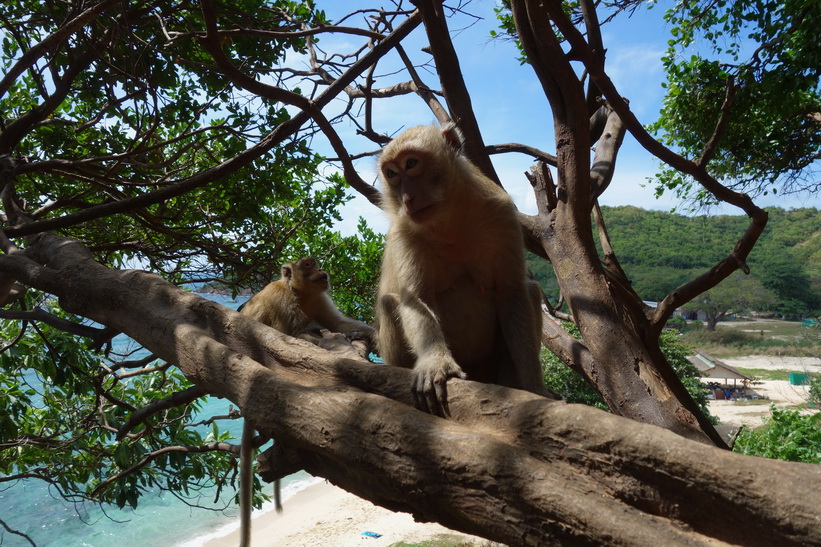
x: 390, y: 173
x: 411, y: 163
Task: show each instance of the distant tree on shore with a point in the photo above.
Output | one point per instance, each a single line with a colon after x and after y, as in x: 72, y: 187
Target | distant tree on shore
x: 737, y: 294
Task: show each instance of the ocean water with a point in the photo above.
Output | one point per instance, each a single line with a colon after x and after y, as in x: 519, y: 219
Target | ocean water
x: 36, y: 509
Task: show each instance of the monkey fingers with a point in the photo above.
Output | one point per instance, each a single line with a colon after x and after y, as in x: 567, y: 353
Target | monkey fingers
x: 430, y: 388
x: 357, y: 334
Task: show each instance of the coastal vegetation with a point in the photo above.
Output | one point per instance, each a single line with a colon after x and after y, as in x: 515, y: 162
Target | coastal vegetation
x: 660, y: 250
x: 148, y: 146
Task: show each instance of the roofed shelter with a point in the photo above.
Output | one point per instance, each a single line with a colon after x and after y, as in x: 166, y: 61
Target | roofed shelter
x: 710, y: 367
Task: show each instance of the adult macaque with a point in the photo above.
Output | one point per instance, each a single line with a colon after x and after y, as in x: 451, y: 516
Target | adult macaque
x: 454, y: 299
x: 297, y: 304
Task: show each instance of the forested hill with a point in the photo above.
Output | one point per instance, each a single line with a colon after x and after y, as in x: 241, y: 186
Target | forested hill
x: 660, y: 250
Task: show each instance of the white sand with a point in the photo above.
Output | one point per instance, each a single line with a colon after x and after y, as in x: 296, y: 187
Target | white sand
x: 324, y: 515
x: 781, y: 393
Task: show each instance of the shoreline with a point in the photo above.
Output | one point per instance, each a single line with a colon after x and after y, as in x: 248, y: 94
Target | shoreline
x: 324, y: 514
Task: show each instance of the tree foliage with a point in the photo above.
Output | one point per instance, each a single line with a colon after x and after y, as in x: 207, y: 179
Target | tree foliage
x: 123, y: 135
x: 752, y: 93
x: 53, y: 393
x: 786, y: 435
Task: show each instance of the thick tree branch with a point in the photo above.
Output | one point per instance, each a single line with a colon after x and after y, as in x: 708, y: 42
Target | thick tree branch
x: 510, y: 466
x: 607, y: 149
x: 566, y: 96
x: 594, y: 38
x: 596, y: 69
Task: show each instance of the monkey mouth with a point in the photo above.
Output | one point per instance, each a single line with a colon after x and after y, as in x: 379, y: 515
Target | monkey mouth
x: 421, y: 214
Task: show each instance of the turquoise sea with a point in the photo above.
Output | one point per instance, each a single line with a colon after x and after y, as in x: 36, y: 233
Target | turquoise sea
x: 32, y: 507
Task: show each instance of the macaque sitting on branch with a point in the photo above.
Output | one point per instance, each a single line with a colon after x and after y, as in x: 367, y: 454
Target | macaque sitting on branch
x: 454, y: 299
x: 297, y: 304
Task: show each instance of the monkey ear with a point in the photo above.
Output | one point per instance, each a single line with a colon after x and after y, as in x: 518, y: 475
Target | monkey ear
x: 453, y: 136
x: 286, y: 271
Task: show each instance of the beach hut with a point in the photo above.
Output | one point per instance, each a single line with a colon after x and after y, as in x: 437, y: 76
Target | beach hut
x: 715, y: 369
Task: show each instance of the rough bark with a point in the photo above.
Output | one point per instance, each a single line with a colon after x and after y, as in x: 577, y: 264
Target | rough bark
x: 509, y: 466
x: 620, y: 333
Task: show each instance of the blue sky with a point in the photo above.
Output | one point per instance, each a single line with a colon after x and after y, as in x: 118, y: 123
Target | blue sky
x: 511, y: 107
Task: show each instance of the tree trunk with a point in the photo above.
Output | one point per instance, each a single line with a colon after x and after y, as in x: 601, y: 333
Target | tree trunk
x: 620, y: 334
x: 509, y: 466
x: 712, y: 320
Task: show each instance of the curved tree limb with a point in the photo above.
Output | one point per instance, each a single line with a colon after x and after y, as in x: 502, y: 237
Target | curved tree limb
x: 607, y: 150
x: 510, y: 466
x: 453, y: 84
x: 535, y: 153
x: 180, y: 398
x: 721, y: 125
x: 16, y: 533
x: 210, y: 447
x: 98, y: 336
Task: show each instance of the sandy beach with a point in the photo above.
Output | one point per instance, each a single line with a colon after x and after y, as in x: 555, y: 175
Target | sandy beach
x: 323, y: 514
x: 780, y: 393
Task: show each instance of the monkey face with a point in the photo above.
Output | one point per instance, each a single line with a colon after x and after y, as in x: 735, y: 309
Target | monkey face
x: 311, y: 272
x: 305, y: 274
x: 410, y: 186
x: 417, y: 172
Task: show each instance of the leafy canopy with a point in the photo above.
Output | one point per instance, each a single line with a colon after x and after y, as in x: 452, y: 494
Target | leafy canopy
x: 129, y: 105
x: 767, y: 54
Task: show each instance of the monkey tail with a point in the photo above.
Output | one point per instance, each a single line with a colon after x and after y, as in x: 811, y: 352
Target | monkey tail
x: 246, y: 483
x: 278, y: 496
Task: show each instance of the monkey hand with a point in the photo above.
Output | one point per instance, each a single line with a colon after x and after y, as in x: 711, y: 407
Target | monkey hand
x: 363, y: 338
x: 429, y: 383
x: 360, y: 333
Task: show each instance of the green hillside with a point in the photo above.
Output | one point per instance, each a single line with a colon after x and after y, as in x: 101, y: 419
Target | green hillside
x: 661, y: 250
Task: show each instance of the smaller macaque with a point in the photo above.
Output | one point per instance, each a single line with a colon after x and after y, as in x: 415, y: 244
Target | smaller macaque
x: 297, y: 304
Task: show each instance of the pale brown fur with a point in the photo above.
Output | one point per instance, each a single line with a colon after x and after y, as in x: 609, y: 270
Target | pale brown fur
x: 454, y: 299
x: 297, y: 304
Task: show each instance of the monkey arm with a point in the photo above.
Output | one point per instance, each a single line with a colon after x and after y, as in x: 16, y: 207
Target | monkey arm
x: 329, y: 316
x: 434, y: 362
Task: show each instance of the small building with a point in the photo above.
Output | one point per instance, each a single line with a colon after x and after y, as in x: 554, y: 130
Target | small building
x: 720, y: 373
